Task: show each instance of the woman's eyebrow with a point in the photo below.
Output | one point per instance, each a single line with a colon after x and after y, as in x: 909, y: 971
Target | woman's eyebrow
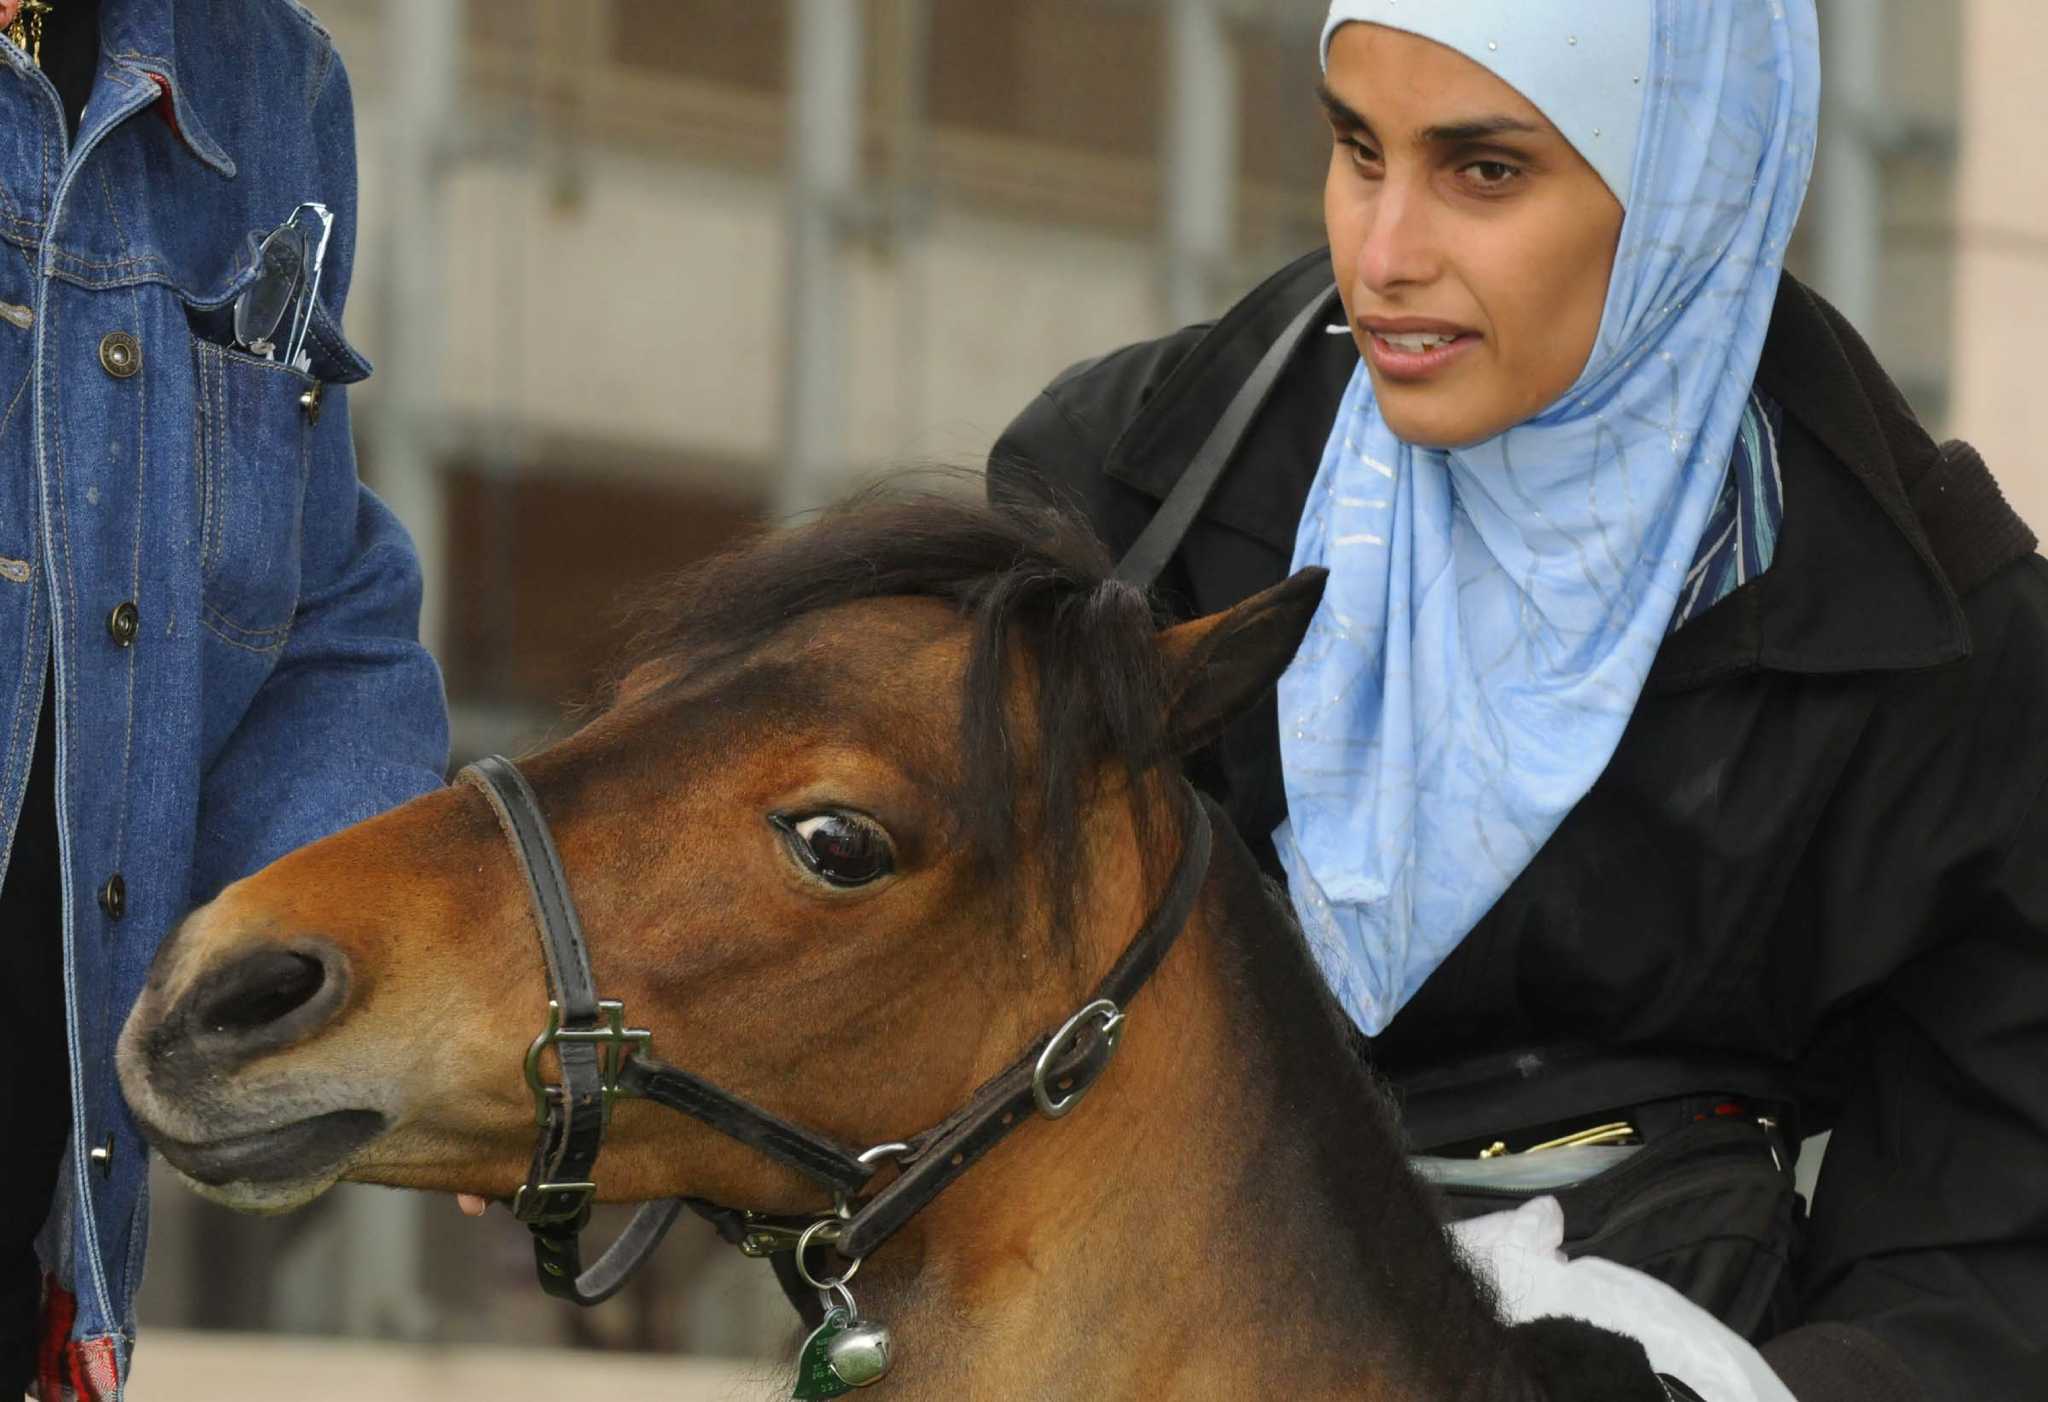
x: 1341, y: 114
x: 1477, y: 129
x: 1346, y: 118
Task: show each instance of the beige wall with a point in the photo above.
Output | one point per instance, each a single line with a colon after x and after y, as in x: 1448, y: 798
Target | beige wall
x: 2001, y: 304
x: 193, y: 1367
x: 632, y: 299
x: 649, y: 311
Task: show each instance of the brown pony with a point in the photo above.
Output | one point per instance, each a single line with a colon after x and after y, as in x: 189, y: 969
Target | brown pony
x: 890, y: 795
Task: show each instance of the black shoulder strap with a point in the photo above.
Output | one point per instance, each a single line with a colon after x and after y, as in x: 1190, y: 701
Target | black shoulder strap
x: 1972, y: 528
x: 1162, y: 535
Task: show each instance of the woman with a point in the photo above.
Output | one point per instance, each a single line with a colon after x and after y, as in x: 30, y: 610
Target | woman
x: 1669, y: 752
x: 209, y: 628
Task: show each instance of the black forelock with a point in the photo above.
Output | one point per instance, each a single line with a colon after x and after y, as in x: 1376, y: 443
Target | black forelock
x: 1034, y: 583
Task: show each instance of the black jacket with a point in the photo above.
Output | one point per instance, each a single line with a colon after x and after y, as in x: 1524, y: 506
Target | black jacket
x: 1816, y: 867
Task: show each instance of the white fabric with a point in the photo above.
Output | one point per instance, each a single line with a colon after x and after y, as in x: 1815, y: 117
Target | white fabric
x: 1583, y: 63
x: 1521, y: 1252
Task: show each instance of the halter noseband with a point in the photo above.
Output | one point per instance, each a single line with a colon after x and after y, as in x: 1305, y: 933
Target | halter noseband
x: 602, y: 1059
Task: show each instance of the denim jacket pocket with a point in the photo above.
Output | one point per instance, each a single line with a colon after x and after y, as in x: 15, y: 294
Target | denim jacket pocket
x: 252, y: 439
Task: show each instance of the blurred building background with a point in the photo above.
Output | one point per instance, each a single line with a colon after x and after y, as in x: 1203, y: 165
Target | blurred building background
x: 637, y: 274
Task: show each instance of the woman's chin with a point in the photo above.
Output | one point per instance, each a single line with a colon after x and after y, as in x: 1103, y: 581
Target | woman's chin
x: 1454, y: 411
x: 1423, y: 417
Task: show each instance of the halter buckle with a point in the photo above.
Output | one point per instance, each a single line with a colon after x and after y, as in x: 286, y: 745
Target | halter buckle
x: 548, y: 1204
x: 616, y: 1044
x: 1111, y: 1030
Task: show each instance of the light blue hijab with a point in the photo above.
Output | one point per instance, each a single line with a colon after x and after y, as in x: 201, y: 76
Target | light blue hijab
x: 1492, y: 611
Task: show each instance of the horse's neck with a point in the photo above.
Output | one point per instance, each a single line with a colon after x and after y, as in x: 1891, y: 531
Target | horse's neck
x: 1227, y: 1216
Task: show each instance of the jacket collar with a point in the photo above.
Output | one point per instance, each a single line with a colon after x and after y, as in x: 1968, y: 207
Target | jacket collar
x: 1854, y: 585
x: 139, y: 53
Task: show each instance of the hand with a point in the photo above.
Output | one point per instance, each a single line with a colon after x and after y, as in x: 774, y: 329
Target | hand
x: 470, y: 1203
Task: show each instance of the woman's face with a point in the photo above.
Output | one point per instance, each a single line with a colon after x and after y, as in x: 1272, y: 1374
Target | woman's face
x: 1472, y: 242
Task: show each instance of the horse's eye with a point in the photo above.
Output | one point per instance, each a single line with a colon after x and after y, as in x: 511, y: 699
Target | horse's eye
x: 843, y: 848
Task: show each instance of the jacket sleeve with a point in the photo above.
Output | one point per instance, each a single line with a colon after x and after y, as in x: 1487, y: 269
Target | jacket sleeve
x: 1927, y: 1267
x: 351, y: 719
x: 350, y: 722
x: 1051, y: 454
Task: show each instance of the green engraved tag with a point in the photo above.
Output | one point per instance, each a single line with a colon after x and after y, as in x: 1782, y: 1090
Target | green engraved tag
x: 814, y: 1375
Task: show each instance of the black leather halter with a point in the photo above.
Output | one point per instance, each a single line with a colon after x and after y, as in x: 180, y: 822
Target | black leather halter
x: 602, y: 1059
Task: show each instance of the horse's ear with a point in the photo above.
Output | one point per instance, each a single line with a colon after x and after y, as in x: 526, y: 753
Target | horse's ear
x: 1218, y: 667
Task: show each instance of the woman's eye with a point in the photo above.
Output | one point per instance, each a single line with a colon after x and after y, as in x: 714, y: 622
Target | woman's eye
x: 843, y: 848
x: 1491, y: 175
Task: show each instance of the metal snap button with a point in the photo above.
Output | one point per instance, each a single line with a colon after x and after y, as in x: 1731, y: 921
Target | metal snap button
x: 124, y: 623
x: 310, y: 402
x: 120, y: 354
x: 102, y: 1156
x: 114, y: 897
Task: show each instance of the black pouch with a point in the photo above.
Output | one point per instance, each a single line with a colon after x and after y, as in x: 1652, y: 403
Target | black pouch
x: 1709, y: 1209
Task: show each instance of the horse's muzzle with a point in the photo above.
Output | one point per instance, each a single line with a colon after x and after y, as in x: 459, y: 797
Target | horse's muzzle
x: 194, y: 1030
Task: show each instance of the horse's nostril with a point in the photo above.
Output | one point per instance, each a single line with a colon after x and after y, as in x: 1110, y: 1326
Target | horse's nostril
x: 256, y: 991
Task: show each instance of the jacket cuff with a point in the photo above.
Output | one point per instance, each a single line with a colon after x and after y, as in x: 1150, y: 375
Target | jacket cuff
x: 1830, y: 1362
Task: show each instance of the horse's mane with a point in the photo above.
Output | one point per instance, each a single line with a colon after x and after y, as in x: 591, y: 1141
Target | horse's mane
x: 1034, y: 581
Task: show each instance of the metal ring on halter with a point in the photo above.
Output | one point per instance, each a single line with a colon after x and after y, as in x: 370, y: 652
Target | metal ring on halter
x: 1112, y: 1029
x: 842, y: 1202
x: 844, y: 1294
x: 803, y: 1244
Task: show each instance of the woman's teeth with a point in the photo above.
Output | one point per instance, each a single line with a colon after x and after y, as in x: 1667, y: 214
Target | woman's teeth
x: 1416, y: 341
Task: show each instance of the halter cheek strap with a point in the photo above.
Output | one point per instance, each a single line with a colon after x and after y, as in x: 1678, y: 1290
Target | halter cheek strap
x: 601, y: 1059
x: 1053, y: 1074
x: 597, y: 1054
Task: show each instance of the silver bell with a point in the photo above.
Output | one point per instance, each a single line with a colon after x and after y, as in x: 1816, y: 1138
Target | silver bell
x: 860, y: 1355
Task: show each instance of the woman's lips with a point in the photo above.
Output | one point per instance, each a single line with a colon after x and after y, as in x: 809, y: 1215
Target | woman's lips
x: 1405, y: 355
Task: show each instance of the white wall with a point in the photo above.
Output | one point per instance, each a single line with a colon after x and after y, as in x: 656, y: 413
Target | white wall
x: 2001, y: 303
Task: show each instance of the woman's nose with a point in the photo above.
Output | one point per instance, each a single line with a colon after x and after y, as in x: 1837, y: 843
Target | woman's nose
x: 1397, y: 246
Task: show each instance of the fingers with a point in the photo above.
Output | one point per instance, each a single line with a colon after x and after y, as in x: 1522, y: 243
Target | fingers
x: 471, y: 1204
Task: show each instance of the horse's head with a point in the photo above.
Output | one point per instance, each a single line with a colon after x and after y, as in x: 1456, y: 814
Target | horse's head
x: 884, y: 801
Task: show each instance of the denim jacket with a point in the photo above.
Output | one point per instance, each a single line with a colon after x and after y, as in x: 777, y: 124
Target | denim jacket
x: 232, y: 618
